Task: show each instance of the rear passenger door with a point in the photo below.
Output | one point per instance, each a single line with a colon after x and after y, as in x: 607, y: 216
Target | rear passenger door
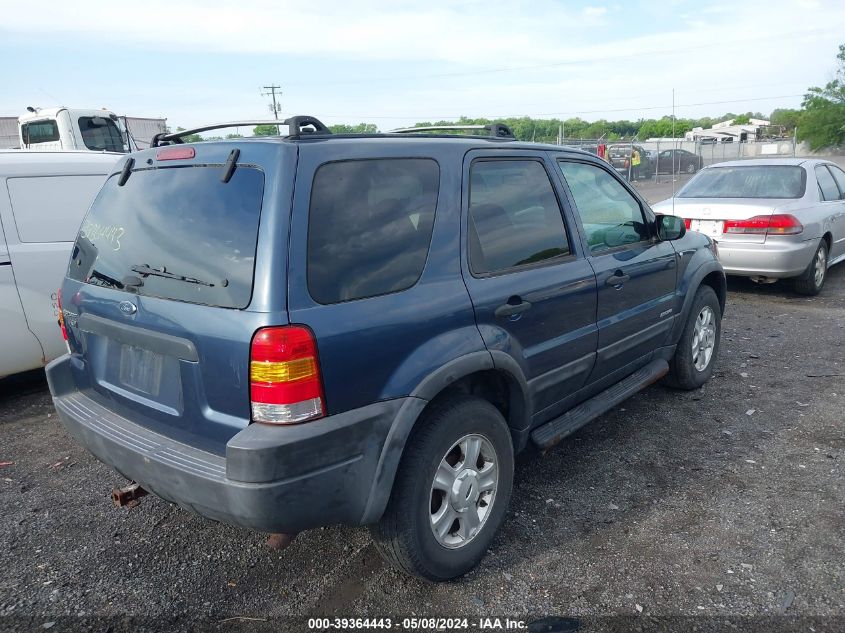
x: 533, y: 292
x: 635, y: 273
x: 832, y: 193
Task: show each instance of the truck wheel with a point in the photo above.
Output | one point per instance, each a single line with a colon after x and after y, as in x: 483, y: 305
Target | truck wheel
x: 810, y: 282
x: 451, y: 491
x: 697, y: 351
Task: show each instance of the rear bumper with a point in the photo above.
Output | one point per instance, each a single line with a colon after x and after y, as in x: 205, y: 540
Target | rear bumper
x: 778, y: 257
x: 273, y: 478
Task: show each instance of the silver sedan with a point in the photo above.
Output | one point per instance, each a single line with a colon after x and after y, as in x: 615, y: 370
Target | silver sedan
x: 771, y: 218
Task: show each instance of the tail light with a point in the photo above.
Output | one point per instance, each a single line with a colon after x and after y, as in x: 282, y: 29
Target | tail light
x: 284, y: 376
x: 783, y: 224
x: 687, y: 223
x: 176, y: 153
x: 61, y: 314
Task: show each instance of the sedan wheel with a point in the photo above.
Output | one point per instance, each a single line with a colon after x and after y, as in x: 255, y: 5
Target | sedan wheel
x: 811, y: 280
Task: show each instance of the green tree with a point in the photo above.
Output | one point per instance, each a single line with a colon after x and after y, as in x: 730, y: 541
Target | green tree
x: 742, y: 119
x: 360, y: 128
x: 822, y: 123
x: 266, y: 130
x: 787, y: 117
x: 190, y: 138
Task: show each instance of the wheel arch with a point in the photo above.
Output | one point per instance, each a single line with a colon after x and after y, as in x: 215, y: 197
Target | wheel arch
x: 480, y: 374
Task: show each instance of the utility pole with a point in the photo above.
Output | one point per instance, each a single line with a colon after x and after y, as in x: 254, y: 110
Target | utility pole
x: 276, y: 106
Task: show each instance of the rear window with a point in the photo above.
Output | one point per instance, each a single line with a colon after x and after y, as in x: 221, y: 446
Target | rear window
x: 176, y: 233
x: 369, y: 226
x: 100, y: 134
x: 40, y: 132
x: 752, y: 181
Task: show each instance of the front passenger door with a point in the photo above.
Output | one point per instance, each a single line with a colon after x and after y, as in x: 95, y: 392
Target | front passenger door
x: 533, y: 292
x: 635, y: 273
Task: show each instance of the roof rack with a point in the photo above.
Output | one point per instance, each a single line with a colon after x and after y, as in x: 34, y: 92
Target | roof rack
x: 495, y: 130
x: 297, y: 126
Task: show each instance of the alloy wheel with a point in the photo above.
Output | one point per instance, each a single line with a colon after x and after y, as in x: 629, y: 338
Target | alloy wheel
x: 704, y: 338
x: 463, y: 491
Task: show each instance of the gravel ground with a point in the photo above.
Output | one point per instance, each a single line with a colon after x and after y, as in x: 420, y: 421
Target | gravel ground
x: 728, y: 502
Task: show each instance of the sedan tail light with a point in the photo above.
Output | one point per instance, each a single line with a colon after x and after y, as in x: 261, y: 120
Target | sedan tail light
x: 284, y: 376
x: 777, y: 224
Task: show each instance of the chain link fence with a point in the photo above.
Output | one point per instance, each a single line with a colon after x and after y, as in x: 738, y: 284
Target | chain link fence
x: 644, y: 160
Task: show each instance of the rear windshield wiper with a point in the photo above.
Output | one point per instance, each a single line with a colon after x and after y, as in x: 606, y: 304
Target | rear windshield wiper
x: 105, y: 280
x: 146, y: 270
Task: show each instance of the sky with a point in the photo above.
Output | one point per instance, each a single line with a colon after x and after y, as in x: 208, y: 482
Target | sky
x: 396, y: 63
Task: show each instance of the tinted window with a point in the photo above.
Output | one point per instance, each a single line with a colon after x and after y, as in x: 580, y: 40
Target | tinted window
x: 827, y: 185
x: 370, y: 226
x: 40, y: 132
x: 610, y: 214
x: 100, y: 134
x: 751, y: 181
x: 174, y: 222
x: 839, y: 176
x: 514, y: 216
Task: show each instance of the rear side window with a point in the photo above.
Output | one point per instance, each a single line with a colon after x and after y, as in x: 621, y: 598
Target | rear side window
x: 827, y: 185
x: 839, y: 177
x: 100, y: 134
x: 369, y: 226
x: 40, y: 132
x: 514, y: 216
x: 176, y: 233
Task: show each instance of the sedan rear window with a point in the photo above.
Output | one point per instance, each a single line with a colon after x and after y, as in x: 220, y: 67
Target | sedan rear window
x: 176, y: 233
x: 751, y: 181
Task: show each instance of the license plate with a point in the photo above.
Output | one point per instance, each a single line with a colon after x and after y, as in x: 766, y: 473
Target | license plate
x: 141, y: 369
x: 712, y: 228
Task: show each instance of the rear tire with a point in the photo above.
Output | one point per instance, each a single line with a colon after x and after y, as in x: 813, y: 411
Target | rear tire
x: 438, y: 535
x: 811, y: 281
x: 697, y: 351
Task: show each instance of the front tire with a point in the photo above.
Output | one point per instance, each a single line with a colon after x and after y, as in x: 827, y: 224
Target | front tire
x: 811, y: 280
x: 451, y: 491
x: 691, y: 168
x: 697, y: 351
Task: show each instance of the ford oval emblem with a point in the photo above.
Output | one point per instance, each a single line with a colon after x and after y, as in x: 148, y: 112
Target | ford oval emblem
x: 128, y: 308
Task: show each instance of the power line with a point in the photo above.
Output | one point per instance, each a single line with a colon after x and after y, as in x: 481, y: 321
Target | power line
x: 275, y: 107
x: 572, y: 112
x: 579, y: 62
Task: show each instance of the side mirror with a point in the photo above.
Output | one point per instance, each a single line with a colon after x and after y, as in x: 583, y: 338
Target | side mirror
x: 669, y: 227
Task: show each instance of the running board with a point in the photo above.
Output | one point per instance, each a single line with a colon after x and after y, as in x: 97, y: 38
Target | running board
x: 551, y: 433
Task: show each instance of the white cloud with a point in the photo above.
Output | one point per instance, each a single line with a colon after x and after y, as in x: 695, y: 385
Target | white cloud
x: 588, y: 60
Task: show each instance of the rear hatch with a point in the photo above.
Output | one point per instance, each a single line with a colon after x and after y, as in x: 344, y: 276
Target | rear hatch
x: 720, y: 197
x: 164, y: 290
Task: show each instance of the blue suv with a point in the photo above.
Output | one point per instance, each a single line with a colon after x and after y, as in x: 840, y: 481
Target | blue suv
x: 284, y: 333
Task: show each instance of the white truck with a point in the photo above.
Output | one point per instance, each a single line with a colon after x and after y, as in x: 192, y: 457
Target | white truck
x: 78, y: 129
x: 43, y: 198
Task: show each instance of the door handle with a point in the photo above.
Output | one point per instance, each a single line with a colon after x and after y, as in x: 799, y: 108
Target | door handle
x: 617, y: 279
x: 511, y: 309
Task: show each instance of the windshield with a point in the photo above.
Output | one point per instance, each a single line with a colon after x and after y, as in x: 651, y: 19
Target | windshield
x: 101, y: 134
x: 752, y: 181
x: 177, y: 233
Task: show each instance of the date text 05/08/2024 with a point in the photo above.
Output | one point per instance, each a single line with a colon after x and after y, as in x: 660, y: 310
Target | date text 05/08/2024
x: 418, y: 624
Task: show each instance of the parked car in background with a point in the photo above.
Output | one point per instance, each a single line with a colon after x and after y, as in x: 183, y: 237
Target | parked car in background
x: 772, y: 218
x: 43, y: 198
x: 677, y: 161
x: 620, y: 157
x: 318, y: 328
